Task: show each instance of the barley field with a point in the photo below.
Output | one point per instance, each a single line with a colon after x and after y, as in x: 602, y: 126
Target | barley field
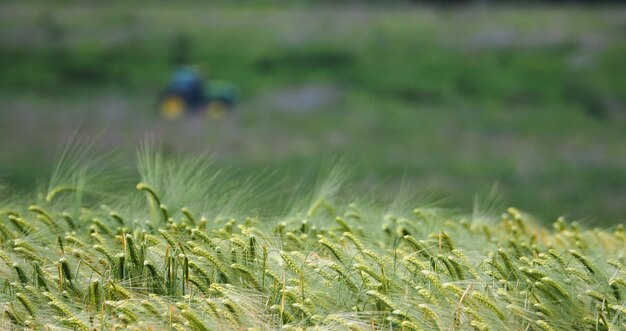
x: 185, y: 249
x: 398, y: 166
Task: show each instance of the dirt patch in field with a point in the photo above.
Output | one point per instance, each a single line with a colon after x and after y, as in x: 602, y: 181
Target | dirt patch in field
x: 302, y: 99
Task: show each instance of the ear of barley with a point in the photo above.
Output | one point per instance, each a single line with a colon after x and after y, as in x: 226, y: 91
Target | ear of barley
x: 95, y: 294
x: 583, y: 260
x: 21, y: 225
x: 185, y: 271
x: 427, y: 295
x: 115, y: 216
x: 211, y: 258
x: 510, y: 269
x: 250, y: 250
x: 284, y: 314
x: 306, y: 311
x: 488, y: 303
x: 451, y: 270
x: 332, y: 248
x: 479, y: 326
x: 47, y: 222
x: 200, y: 271
x: 171, y: 274
x: 27, y: 254
x: 408, y: 325
x: 290, y: 262
x: 431, y: 315
x: 543, y: 309
x: 129, y: 311
x: 237, y: 242
x: 15, y: 318
x: 544, y: 325
x: 40, y: 277
x: 383, y: 299
x: 68, y: 219
x: 445, y: 241
x: 417, y: 263
x: 533, y: 274
x: 166, y: 213
x: 6, y: 233
x: 103, y: 227
x: 21, y: 274
x: 501, y: 270
x: 357, y: 242
x: 369, y: 271
x: 458, y: 267
x: 556, y: 286
x: 546, y: 290
x: 375, y: 257
x: 24, y: 244
x: 131, y: 251
x: 168, y: 237
x: 148, y: 189
x: 235, y: 310
x: 197, y: 233
x: 419, y: 246
x: 28, y: 305
x: 149, y: 307
x: 596, y: 295
x: 250, y: 276
x: 74, y: 323
x: 60, y: 307
x: 315, y: 207
x: 119, y: 267
x: 295, y: 239
x: 39, y: 210
x: 200, y: 284
x: 394, y: 322
x: 154, y: 279
x: 615, y: 285
x: 119, y: 291
x: 100, y: 249
x: 75, y: 241
x: 7, y: 260
x: 619, y: 309
x: 189, y: 215
x: 194, y: 321
x: 454, y: 289
x: 433, y: 280
x: 98, y: 238
x: 58, y: 190
x: 343, y: 224
x: 554, y: 254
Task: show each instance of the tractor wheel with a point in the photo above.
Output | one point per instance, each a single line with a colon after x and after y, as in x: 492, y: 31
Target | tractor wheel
x: 216, y: 109
x: 172, y: 107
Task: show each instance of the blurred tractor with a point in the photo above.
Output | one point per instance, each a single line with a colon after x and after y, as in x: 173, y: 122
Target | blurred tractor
x: 187, y: 94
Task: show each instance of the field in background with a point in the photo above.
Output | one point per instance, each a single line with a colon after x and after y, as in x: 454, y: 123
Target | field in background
x: 446, y: 103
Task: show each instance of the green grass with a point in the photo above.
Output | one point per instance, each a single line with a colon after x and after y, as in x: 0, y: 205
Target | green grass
x: 189, y: 250
x: 446, y: 102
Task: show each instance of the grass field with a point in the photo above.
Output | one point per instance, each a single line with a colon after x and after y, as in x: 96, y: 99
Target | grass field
x: 443, y: 103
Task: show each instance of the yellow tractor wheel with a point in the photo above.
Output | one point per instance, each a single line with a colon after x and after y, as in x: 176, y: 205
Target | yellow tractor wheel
x: 216, y: 110
x: 172, y: 107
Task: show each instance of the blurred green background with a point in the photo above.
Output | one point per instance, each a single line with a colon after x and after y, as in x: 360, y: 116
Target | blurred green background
x: 446, y: 102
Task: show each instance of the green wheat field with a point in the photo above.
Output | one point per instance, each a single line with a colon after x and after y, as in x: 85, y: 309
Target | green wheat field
x: 188, y: 248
